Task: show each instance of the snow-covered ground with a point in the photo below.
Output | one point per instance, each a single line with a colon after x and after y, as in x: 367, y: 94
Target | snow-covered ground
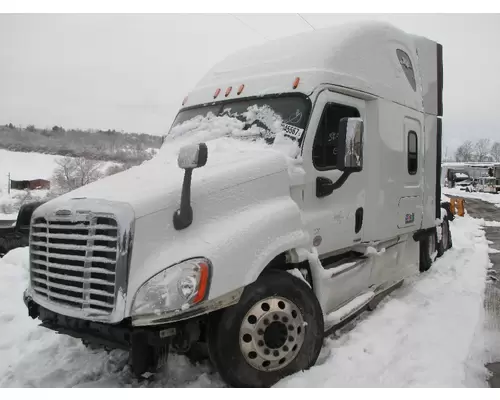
x: 9, y: 217
x: 428, y: 333
x: 489, y: 197
x: 26, y: 166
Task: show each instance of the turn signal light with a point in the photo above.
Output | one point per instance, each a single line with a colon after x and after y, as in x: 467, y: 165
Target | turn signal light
x: 228, y: 90
x: 240, y: 89
x: 217, y: 92
x: 185, y: 100
x: 296, y: 82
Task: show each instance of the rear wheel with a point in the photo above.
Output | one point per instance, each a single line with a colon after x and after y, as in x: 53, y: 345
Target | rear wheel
x: 445, y: 242
x: 276, y: 329
x: 428, y: 249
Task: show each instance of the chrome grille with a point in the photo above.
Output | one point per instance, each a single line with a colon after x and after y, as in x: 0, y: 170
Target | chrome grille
x: 74, y: 261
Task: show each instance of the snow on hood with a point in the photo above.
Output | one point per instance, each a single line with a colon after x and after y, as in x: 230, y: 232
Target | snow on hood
x: 236, y: 154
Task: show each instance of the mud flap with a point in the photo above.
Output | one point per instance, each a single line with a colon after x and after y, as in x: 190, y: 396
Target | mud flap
x: 146, y: 358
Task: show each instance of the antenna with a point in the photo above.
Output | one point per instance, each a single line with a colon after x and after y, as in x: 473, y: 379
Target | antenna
x: 306, y: 21
x: 249, y: 27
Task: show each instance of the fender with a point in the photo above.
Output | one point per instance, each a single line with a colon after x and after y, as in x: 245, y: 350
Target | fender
x: 240, y: 240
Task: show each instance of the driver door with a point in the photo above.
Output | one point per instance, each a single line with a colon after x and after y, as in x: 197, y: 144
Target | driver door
x: 334, y: 200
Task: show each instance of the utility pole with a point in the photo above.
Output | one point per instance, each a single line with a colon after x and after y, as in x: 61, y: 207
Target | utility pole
x: 8, y: 184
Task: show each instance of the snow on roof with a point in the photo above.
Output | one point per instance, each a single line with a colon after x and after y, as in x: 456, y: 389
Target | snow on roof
x: 360, y: 56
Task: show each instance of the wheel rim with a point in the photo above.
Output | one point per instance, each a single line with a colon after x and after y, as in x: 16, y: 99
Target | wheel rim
x: 444, y: 234
x: 272, y: 334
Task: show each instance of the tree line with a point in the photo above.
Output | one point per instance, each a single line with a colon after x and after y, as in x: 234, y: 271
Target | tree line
x: 109, y: 145
x: 483, y: 150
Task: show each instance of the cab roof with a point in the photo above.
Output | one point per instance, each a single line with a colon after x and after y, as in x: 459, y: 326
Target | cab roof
x: 371, y: 57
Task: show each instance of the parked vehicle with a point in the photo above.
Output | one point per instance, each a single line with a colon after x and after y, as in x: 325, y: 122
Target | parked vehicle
x: 494, y: 173
x: 298, y: 185
x: 485, y: 184
x: 15, y: 236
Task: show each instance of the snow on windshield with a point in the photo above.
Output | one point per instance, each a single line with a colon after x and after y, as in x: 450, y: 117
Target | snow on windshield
x: 260, y: 126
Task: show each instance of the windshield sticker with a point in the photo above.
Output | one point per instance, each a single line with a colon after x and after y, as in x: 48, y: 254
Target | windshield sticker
x: 294, y: 119
x: 292, y: 131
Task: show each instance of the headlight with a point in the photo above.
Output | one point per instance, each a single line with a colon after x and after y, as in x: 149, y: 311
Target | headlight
x: 175, y: 288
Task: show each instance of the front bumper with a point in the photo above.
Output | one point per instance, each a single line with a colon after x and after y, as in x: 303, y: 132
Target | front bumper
x: 115, y: 336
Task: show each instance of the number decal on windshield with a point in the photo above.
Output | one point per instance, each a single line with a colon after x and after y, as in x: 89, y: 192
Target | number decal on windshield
x: 292, y: 131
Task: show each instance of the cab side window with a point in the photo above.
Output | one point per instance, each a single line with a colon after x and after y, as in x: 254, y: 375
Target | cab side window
x: 412, y: 153
x: 326, y: 140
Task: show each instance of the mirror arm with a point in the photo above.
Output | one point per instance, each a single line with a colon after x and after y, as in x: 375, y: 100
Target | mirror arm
x: 325, y: 186
x: 183, y: 217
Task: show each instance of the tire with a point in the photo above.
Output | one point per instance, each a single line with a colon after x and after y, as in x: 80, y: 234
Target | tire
x: 276, y: 329
x: 445, y: 242
x: 450, y: 241
x: 428, y: 246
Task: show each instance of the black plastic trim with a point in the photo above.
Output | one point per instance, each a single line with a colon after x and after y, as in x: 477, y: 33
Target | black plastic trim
x: 439, y: 149
x: 325, y: 187
x: 423, y: 233
x: 117, y: 336
x: 439, y: 52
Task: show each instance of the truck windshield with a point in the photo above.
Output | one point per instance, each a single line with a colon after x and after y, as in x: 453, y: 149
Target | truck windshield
x: 258, y: 117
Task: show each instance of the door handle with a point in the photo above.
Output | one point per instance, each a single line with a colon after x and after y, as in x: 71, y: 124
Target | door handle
x: 358, y: 224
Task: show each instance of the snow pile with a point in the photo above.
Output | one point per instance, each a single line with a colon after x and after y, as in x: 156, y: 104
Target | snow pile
x: 426, y: 334
x: 374, y: 251
x: 298, y: 274
x: 31, y: 356
x: 488, y: 223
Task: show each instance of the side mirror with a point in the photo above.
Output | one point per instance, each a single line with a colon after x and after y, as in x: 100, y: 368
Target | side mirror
x: 193, y: 156
x: 350, y: 148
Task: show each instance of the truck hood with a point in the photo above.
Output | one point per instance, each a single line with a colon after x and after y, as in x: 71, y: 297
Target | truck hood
x: 156, y: 184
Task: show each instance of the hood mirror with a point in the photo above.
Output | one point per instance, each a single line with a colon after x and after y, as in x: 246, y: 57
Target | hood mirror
x: 193, y: 156
x: 190, y: 157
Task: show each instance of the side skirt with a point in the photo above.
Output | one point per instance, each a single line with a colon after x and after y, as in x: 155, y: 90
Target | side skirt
x: 370, y: 304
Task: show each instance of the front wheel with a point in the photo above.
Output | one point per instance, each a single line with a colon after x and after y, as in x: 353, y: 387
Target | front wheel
x: 275, y: 330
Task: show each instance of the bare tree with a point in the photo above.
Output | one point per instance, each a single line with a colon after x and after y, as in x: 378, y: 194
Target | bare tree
x: 72, y: 173
x: 482, y: 148
x: 116, y: 168
x: 495, y: 151
x: 465, y: 152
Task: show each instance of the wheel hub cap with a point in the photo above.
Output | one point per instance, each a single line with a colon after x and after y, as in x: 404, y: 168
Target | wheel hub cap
x: 272, y: 334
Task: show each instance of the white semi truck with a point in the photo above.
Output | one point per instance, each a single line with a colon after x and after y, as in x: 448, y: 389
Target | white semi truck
x: 298, y: 185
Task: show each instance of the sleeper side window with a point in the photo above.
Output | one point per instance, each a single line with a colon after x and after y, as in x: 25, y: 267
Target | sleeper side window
x: 325, y: 145
x: 412, y: 153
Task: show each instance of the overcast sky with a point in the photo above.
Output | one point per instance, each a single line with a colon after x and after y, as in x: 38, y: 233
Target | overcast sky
x: 130, y: 72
